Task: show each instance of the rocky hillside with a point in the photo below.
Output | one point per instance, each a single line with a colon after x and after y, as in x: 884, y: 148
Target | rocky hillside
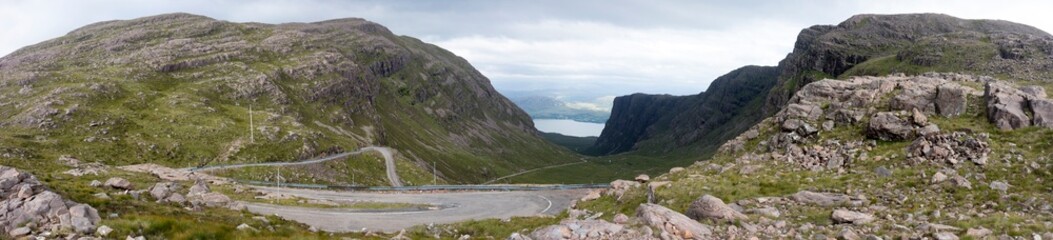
x: 932, y: 156
x: 660, y: 123
x: 185, y: 90
x: 864, y: 45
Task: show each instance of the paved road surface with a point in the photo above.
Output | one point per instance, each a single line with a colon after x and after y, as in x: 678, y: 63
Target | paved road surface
x: 389, y: 162
x: 457, y: 207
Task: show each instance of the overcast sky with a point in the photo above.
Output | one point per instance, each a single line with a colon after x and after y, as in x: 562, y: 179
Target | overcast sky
x: 576, y: 49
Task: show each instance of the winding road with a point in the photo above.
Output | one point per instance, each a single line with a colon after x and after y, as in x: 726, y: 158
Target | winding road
x: 455, y: 207
x: 389, y: 162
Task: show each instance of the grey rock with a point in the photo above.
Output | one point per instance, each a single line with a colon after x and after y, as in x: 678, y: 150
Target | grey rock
x: 103, y: 231
x: 1005, y: 106
x: 246, y: 227
x: 951, y: 100
x: 851, y: 217
x: 95, y: 183
x: 199, y: 188
x: 83, y: 218
x: 671, y: 222
x: 710, y: 207
x: 1042, y: 110
x: 978, y: 232
x: 881, y: 171
x: 119, y: 183
x: 887, y: 126
x: 1000, y: 186
x: 918, y: 118
x: 18, y: 232
x: 828, y: 125
x: 821, y: 199
x: 161, y: 190
x: 928, y: 130
x: 1034, y: 91
x: 581, y: 229
x: 944, y: 236
x: 804, y: 111
x: 642, y: 178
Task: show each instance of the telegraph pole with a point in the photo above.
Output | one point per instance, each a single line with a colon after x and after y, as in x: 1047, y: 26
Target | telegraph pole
x: 434, y: 177
x: 252, y: 132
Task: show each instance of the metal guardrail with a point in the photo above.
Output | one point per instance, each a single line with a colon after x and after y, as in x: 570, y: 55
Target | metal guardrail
x: 434, y: 187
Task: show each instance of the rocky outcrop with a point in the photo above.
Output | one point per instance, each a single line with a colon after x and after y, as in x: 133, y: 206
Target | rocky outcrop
x: 1010, y: 108
x: 825, y: 51
x: 26, y: 202
x: 584, y: 229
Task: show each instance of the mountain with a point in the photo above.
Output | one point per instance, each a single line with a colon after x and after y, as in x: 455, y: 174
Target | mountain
x: 863, y: 45
x: 543, y: 107
x: 661, y: 123
x: 185, y: 90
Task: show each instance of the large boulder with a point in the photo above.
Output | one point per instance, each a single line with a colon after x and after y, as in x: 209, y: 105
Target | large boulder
x: 1043, y: 112
x: 162, y: 190
x: 1006, y: 106
x: 887, y: 126
x: 199, y: 188
x: 951, y: 100
x: 671, y: 223
x: 710, y: 207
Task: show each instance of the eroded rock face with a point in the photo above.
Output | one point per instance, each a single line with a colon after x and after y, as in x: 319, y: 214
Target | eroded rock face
x: 672, y: 224
x: 951, y: 100
x: 25, y: 200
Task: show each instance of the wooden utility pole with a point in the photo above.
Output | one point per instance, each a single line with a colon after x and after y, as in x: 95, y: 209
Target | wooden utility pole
x: 252, y: 126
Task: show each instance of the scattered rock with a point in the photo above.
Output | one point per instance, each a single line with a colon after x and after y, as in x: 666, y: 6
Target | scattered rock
x: 621, y: 218
x: 671, y: 222
x: 766, y: 211
x: 881, y: 171
x: 938, y: 177
x: 944, y: 236
x: 581, y: 229
x: 962, y: 182
x: 119, y: 183
x: 952, y: 148
x: 1043, y: 112
x: 18, y: 232
x: 619, y: 187
x: 161, y: 190
x: 95, y: 183
x: 848, y: 234
x: 592, y: 195
x: 676, y: 170
x: 828, y: 125
x: 710, y: 207
x: 821, y: 199
x: 103, y: 231
x: 246, y: 227
x: 199, y: 188
x: 851, y: 217
x: 1000, y: 186
x: 979, y: 232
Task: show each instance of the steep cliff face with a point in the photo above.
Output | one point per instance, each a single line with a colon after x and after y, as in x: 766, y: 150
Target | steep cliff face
x: 669, y: 122
x: 179, y: 89
x: 864, y: 45
x: 913, y: 43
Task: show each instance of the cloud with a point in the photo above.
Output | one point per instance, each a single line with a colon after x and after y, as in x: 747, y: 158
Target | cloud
x: 586, y: 48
